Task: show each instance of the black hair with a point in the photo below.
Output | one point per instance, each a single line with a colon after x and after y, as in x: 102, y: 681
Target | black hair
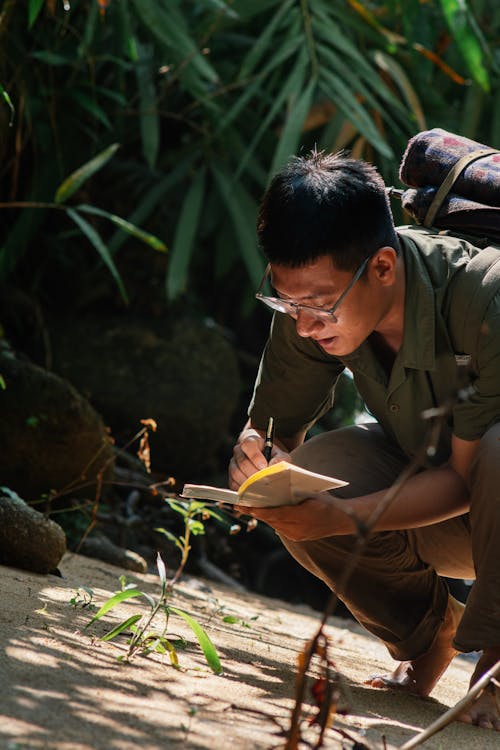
x: 325, y: 204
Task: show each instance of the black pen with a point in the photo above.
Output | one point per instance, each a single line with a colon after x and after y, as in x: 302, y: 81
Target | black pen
x: 268, y: 444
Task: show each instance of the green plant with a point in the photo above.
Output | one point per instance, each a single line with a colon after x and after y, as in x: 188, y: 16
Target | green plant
x: 70, y: 186
x: 209, y: 98
x: 145, y: 634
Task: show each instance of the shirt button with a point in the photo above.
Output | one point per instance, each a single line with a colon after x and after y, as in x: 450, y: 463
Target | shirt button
x: 394, y: 408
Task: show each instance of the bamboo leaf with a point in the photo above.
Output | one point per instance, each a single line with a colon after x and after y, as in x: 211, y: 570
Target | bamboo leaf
x: 170, y: 29
x: 121, y: 627
x: 468, y: 38
x: 292, y: 131
x: 148, y: 113
x: 5, y: 96
x: 284, y: 51
x: 34, y: 8
x: 185, y: 233
x: 152, y: 198
x: 119, y: 597
x: 88, y: 103
x: 293, y: 84
x: 51, y: 58
x: 242, y: 212
x: 206, y: 644
x: 343, y: 97
x: 263, y: 43
x: 101, y: 248
x: 77, y: 178
x: 127, y: 226
x: 128, y: 40
x: 398, y: 75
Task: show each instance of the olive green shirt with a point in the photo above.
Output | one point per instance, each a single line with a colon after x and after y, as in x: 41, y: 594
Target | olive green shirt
x: 296, y: 379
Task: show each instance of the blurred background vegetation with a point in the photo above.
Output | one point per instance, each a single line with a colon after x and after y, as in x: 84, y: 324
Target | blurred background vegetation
x: 189, y: 107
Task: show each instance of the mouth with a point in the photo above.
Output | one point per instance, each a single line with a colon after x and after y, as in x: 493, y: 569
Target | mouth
x: 326, y: 342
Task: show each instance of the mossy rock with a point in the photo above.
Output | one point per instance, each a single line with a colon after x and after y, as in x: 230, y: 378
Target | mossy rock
x: 51, y: 437
x: 183, y: 375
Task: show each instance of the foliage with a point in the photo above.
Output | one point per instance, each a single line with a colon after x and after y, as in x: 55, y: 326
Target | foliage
x: 209, y: 98
x: 145, y: 637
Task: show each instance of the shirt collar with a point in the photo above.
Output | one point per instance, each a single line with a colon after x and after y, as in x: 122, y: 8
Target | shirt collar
x: 418, y: 350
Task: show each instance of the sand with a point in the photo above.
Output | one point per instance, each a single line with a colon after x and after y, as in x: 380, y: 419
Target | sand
x: 63, y: 688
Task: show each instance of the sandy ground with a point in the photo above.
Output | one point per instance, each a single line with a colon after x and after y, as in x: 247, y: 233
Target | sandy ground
x: 61, y: 689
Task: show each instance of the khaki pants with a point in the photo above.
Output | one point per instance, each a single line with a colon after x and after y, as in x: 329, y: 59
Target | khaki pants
x: 396, y: 590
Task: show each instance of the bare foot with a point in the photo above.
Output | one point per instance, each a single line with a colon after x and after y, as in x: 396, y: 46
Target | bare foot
x: 485, y: 711
x: 420, y: 675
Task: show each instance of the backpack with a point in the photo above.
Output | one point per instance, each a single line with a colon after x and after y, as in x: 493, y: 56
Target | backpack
x: 454, y: 188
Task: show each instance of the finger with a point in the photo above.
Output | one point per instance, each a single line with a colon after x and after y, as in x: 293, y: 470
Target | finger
x: 252, y: 450
x: 236, y: 475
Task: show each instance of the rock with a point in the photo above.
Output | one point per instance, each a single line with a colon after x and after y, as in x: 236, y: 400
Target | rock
x: 50, y: 436
x: 102, y: 548
x: 27, y: 539
x: 184, y: 376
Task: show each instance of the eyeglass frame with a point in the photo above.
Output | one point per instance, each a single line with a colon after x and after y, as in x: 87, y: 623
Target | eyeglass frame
x: 320, y: 312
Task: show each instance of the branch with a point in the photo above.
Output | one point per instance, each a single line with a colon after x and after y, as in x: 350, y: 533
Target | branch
x: 454, y: 711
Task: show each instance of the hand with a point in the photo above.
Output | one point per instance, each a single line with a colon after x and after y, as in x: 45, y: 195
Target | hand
x: 314, y: 518
x: 249, y: 458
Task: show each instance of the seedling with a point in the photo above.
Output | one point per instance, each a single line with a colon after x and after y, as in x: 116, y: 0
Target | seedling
x: 83, y: 597
x: 145, y: 636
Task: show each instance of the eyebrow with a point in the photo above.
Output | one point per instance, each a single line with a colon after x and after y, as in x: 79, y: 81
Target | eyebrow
x: 307, y: 297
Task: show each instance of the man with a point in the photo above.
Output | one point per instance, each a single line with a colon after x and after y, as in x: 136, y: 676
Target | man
x: 351, y: 291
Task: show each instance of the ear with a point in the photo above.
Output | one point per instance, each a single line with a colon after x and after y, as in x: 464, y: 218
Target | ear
x: 383, y: 265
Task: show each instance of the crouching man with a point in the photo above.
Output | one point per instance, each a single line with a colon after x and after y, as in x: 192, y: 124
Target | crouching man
x: 349, y: 290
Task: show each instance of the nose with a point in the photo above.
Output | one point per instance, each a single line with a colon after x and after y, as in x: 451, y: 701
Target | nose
x: 307, y: 323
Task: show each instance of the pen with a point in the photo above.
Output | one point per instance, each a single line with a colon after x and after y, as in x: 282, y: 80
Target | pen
x: 268, y: 444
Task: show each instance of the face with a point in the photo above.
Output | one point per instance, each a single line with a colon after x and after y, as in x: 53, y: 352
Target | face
x: 319, y: 284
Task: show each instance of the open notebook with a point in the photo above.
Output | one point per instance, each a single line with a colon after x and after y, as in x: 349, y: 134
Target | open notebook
x: 278, y: 484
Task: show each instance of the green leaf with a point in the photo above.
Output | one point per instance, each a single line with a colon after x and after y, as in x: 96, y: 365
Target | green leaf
x: 292, y: 131
x: 153, y: 197
x: 127, y: 226
x: 148, y: 110
x: 171, y: 537
x: 51, y: 58
x: 90, y: 105
x: 293, y: 83
x: 101, y: 248
x: 341, y: 95
x: 206, y: 644
x: 262, y: 44
x: 388, y: 64
x: 34, y: 8
x: 185, y: 233
x: 242, y: 211
x: 5, y: 96
x: 128, y: 40
x: 170, y: 29
x: 468, y: 38
x: 120, y: 628
x: 72, y: 183
x: 284, y: 51
x: 119, y: 597
x: 196, y: 527
x: 3, y: 385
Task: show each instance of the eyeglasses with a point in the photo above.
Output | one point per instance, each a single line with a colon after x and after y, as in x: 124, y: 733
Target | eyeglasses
x: 293, y: 308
